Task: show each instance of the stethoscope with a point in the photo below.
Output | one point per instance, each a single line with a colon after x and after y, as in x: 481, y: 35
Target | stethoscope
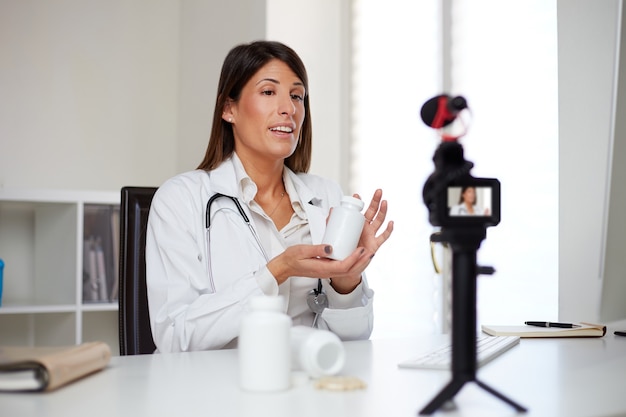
x: 316, y: 298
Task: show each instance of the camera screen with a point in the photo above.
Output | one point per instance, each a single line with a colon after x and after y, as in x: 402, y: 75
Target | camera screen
x: 469, y: 200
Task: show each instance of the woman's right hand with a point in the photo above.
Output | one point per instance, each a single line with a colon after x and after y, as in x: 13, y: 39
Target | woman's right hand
x: 311, y: 261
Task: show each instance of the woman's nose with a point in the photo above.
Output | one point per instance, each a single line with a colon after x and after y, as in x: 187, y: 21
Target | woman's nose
x: 287, y: 106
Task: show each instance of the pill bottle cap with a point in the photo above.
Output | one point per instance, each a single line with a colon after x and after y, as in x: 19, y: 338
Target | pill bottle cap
x: 352, y: 201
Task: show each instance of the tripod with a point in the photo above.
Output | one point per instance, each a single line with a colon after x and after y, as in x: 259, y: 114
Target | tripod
x: 464, y: 243
x: 464, y: 233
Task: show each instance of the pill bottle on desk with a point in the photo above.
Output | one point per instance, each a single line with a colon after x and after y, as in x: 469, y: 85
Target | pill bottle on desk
x: 344, y: 227
x: 317, y: 352
x: 264, y: 346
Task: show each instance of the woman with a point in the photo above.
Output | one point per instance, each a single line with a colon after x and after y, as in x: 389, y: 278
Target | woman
x: 467, y: 204
x: 262, y: 233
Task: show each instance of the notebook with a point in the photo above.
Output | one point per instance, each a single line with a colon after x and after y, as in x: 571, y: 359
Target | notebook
x: 47, y: 368
x: 585, y: 330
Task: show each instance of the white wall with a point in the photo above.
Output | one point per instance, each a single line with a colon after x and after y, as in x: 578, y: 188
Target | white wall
x: 89, y: 92
x: 209, y: 29
x: 587, y: 35
x: 319, y: 31
x: 613, y: 301
x: 104, y: 93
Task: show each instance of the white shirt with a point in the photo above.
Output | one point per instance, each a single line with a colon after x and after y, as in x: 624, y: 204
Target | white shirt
x: 198, y: 289
x: 461, y: 210
x: 297, y: 231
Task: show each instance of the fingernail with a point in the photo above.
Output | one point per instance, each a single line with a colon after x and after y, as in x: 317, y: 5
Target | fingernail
x: 328, y: 249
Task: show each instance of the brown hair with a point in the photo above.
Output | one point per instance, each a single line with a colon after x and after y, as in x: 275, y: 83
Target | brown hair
x: 465, y: 188
x: 241, y: 63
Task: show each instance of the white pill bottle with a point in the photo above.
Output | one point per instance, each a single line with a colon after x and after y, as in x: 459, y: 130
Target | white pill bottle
x: 317, y: 352
x: 264, y: 346
x: 344, y: 227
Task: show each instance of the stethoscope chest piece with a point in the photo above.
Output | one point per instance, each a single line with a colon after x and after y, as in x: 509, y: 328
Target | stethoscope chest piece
x: 316, y: 299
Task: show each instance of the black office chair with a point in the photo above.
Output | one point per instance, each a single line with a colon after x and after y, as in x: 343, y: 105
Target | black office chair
x: 134, y: 319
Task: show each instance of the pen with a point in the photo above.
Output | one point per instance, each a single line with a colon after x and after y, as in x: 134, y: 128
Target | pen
x: 551, y: 324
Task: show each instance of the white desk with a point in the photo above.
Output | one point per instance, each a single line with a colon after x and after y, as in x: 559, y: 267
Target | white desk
x: 551, y: 377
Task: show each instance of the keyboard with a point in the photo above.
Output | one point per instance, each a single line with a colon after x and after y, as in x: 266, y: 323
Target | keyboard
x: 487, y: 349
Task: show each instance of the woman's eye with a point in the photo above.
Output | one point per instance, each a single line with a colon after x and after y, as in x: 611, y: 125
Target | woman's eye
x: 267, y: 92
x: 297, y: 97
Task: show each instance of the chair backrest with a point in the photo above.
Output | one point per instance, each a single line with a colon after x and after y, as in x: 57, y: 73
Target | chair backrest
x: 134, y: 319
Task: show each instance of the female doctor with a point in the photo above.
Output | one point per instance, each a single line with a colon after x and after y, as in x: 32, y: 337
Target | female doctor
x: 249, y: 220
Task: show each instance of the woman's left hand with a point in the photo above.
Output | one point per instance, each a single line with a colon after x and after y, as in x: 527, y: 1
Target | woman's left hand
x: 375, y: 216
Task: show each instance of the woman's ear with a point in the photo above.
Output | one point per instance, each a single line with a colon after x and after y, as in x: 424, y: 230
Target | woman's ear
x: 227, y: 113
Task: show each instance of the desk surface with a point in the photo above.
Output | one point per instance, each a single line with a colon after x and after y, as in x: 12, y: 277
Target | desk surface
x: 551, y: 377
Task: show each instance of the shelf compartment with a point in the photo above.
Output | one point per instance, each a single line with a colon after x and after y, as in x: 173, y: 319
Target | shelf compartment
x: 50, y: 329
x: 38, y: 245
x: 101, y: 326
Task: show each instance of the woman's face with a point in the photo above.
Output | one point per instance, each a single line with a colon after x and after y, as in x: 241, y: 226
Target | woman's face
x: 269, y: 114
x: 469, y: 195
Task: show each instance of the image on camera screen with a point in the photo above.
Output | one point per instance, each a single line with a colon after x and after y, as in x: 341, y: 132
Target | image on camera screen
x: 469, y: 200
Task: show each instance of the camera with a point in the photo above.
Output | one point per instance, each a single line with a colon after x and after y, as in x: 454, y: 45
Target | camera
x: 454, y: 198
x: 471, y: 202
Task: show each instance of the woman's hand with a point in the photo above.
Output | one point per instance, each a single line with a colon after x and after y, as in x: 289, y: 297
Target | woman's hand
x: 374, y: 218
x: 311, y: 261
x: 375, y: 215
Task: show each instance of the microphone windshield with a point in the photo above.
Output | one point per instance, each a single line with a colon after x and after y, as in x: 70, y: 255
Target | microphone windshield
x: 441, y: 110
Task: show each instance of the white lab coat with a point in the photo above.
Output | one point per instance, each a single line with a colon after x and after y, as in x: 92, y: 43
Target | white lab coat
x: 187, y: 310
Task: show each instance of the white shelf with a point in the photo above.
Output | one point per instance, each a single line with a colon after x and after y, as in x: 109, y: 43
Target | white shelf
x: 34, y: 309
x: 58, y: 196
x: 41, y: 242
x: 100, y: 306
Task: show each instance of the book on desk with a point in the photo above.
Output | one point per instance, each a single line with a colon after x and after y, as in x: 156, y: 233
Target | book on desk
x: 47, y: 368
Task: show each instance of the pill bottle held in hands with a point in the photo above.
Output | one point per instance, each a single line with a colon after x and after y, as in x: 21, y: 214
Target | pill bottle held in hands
x: 344, y: 227
x: 264, y: 346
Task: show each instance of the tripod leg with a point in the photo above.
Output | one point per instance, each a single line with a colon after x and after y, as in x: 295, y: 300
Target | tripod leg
x: 447, y: 393
x: 510, y: 402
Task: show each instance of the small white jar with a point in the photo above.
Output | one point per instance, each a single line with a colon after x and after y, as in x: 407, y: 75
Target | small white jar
x: 317, y: 352
x: 264, y: 346
x: 344, y: 227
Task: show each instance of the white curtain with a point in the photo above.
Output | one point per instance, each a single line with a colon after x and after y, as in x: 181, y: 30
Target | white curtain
x: 503, y: 59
